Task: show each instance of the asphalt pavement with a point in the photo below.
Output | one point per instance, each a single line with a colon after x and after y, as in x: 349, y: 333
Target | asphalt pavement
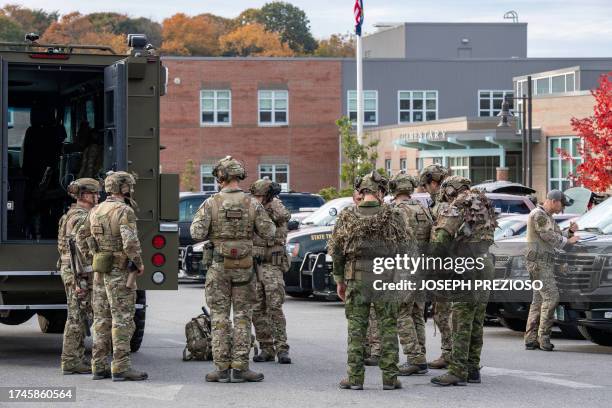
x: 577, y: 374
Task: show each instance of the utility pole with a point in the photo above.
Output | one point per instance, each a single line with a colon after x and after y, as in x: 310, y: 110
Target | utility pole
x: 530, y: 133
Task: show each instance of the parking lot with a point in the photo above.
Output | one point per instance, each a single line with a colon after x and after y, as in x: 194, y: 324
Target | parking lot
x: 576, y: 374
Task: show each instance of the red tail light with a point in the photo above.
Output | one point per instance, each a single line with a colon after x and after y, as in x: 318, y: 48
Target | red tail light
x: 158, y: 260
x: 158, y: 242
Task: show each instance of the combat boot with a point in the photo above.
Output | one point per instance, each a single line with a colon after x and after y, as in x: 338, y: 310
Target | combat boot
x: 473, y: 376
x: 239, y: 376
x: 101, y: 375
x: 222, y: 376
x: 263, y: 356
x: 546, y: 345
x: 345, y: 384
x: 448, y: 379
x: 409, y: 369
x: 283, y: 357
x: 532, y: 345
x: 130, y: 375
x: 371, y: 361
x: 80, y: 368
x: 439, y: 363
x: 394, y: 384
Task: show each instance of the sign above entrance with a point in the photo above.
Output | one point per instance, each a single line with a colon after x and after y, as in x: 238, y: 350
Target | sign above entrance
x: 429, y: 135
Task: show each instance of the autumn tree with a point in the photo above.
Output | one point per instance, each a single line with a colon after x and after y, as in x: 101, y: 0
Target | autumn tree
x: 337, y: 45
x: 188, y: 177
x: 595, y: 171
x: 198, y: 35
x: 290, y: 23
x: 253, y: 40
x: 29, y: 20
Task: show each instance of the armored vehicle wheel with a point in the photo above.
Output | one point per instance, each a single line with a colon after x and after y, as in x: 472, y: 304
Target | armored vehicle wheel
x: 52, y: 322
x: 139, y: 320
x: 513, y: 323
x: 16, y: 317
x: 597, y: 336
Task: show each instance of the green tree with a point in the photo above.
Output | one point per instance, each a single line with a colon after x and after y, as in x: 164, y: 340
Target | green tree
x: 188, y: 177
x: 291, y: 24
x: 358, y: 159
x: 30, y: 20
x: 10, y: 30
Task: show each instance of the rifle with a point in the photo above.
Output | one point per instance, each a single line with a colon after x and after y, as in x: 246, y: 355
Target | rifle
x: 78, y: 271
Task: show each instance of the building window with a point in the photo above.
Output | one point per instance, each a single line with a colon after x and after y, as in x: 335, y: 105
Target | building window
x: 370, y: 107
x: 419, y: 163
x: 11, y: 118
x: 273, y: 108
x: 207, y: 181
x: 403, y: 165
x: 558, y: 168
x: 417, y: 106
x: 550, y: 84
x: 490, y: 102
x: 388, y: 167
x: 459, y: 166
x: 215, y: 107
x: 276, y: 172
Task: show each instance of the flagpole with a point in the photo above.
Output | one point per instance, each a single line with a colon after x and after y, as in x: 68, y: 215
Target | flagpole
x: 359, y: 55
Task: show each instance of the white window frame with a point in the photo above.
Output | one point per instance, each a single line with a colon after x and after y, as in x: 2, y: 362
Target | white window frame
x: 215, y: 110
x: 459, y: 170
x: 578, y: 159
x: 491, y: 110
x: 215, y: 185
x: 348, y: 106
x: 403, y: 164
x: 522, y: 84
x: 274, y: 172
x: 273, y: 109
x: 388, y: 167
x: 424, y: 111
x: 11, y: 118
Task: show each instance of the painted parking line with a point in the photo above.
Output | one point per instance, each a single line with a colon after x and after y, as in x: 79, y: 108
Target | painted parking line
x: 549, y: 378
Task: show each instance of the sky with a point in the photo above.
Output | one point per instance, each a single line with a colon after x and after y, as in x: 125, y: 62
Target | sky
x: 557, y: 28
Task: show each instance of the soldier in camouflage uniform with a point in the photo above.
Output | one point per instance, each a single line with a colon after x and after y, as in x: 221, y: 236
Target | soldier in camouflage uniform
x: 268, y: 317
x: 109, y: 238
x: 467, y: 227
x: 78, y: 291
x: 372, y: 340
x: 357, y: 228
x: 229, y: 219
x: 543, y: 238
x: 411, y: 320
x: 431, y: 177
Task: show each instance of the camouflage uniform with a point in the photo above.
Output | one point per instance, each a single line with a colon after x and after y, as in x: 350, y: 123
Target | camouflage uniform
x: 229, y: 220
x: 467, y: 223
x: 79, y: 309
x: 373, y: 336
x: 441, y: 310
x: 355, y: 229
x: 111, y: 228
x: 268, y: 317
x: 543, y: 237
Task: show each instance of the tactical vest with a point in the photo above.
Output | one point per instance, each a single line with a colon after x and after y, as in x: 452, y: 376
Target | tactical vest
x: 420, y: 215
x: 534, y: 242
x: 104, y: 220
x: 68, y: 226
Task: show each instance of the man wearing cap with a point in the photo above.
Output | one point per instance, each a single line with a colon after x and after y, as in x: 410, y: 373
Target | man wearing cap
x: 76, y: 283
x: 543, y: 238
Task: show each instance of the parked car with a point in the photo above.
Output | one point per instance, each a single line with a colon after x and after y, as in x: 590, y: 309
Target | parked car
x: 516, y: 225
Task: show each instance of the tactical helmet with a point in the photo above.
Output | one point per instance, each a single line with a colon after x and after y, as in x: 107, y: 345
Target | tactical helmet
x: 433, y: 172
x: 372, y: 182
x: 119, y: 182
x: 260, y: 187
x: 402, y: 183
x: 83, y: 185
x: 452, y: 185
x: 229, y: 168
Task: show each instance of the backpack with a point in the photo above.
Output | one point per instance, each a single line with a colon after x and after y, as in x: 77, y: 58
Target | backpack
x: 199, y: 338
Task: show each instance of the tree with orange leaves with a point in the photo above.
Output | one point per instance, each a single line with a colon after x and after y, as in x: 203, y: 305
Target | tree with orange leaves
x: 198, y: 35
x: 595, y: 171
x: 253, y: 40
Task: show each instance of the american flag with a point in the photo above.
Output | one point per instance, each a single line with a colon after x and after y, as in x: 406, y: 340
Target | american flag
x: 358, y: 12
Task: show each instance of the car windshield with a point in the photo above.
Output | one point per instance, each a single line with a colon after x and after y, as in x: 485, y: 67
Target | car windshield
x: 294, y: 202
x: 322, y: 217
x: 504, y: 225
x: 188, y: 208
x: 511, y: 206
x: 598, y: 220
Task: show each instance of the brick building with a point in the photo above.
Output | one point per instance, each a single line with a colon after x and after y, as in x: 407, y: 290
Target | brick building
x: 276, y: 115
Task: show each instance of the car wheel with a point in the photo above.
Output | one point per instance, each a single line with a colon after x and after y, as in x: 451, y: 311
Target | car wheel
x: 513, y: 323
x: 597, y: 336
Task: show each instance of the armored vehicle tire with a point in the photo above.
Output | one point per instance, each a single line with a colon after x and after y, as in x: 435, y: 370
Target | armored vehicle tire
x: 570, y: 332
x: 139, y: 320
x: 597, y: 336
x: 52, y: 322
x: 16, y: 317
x: 513, y: 323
